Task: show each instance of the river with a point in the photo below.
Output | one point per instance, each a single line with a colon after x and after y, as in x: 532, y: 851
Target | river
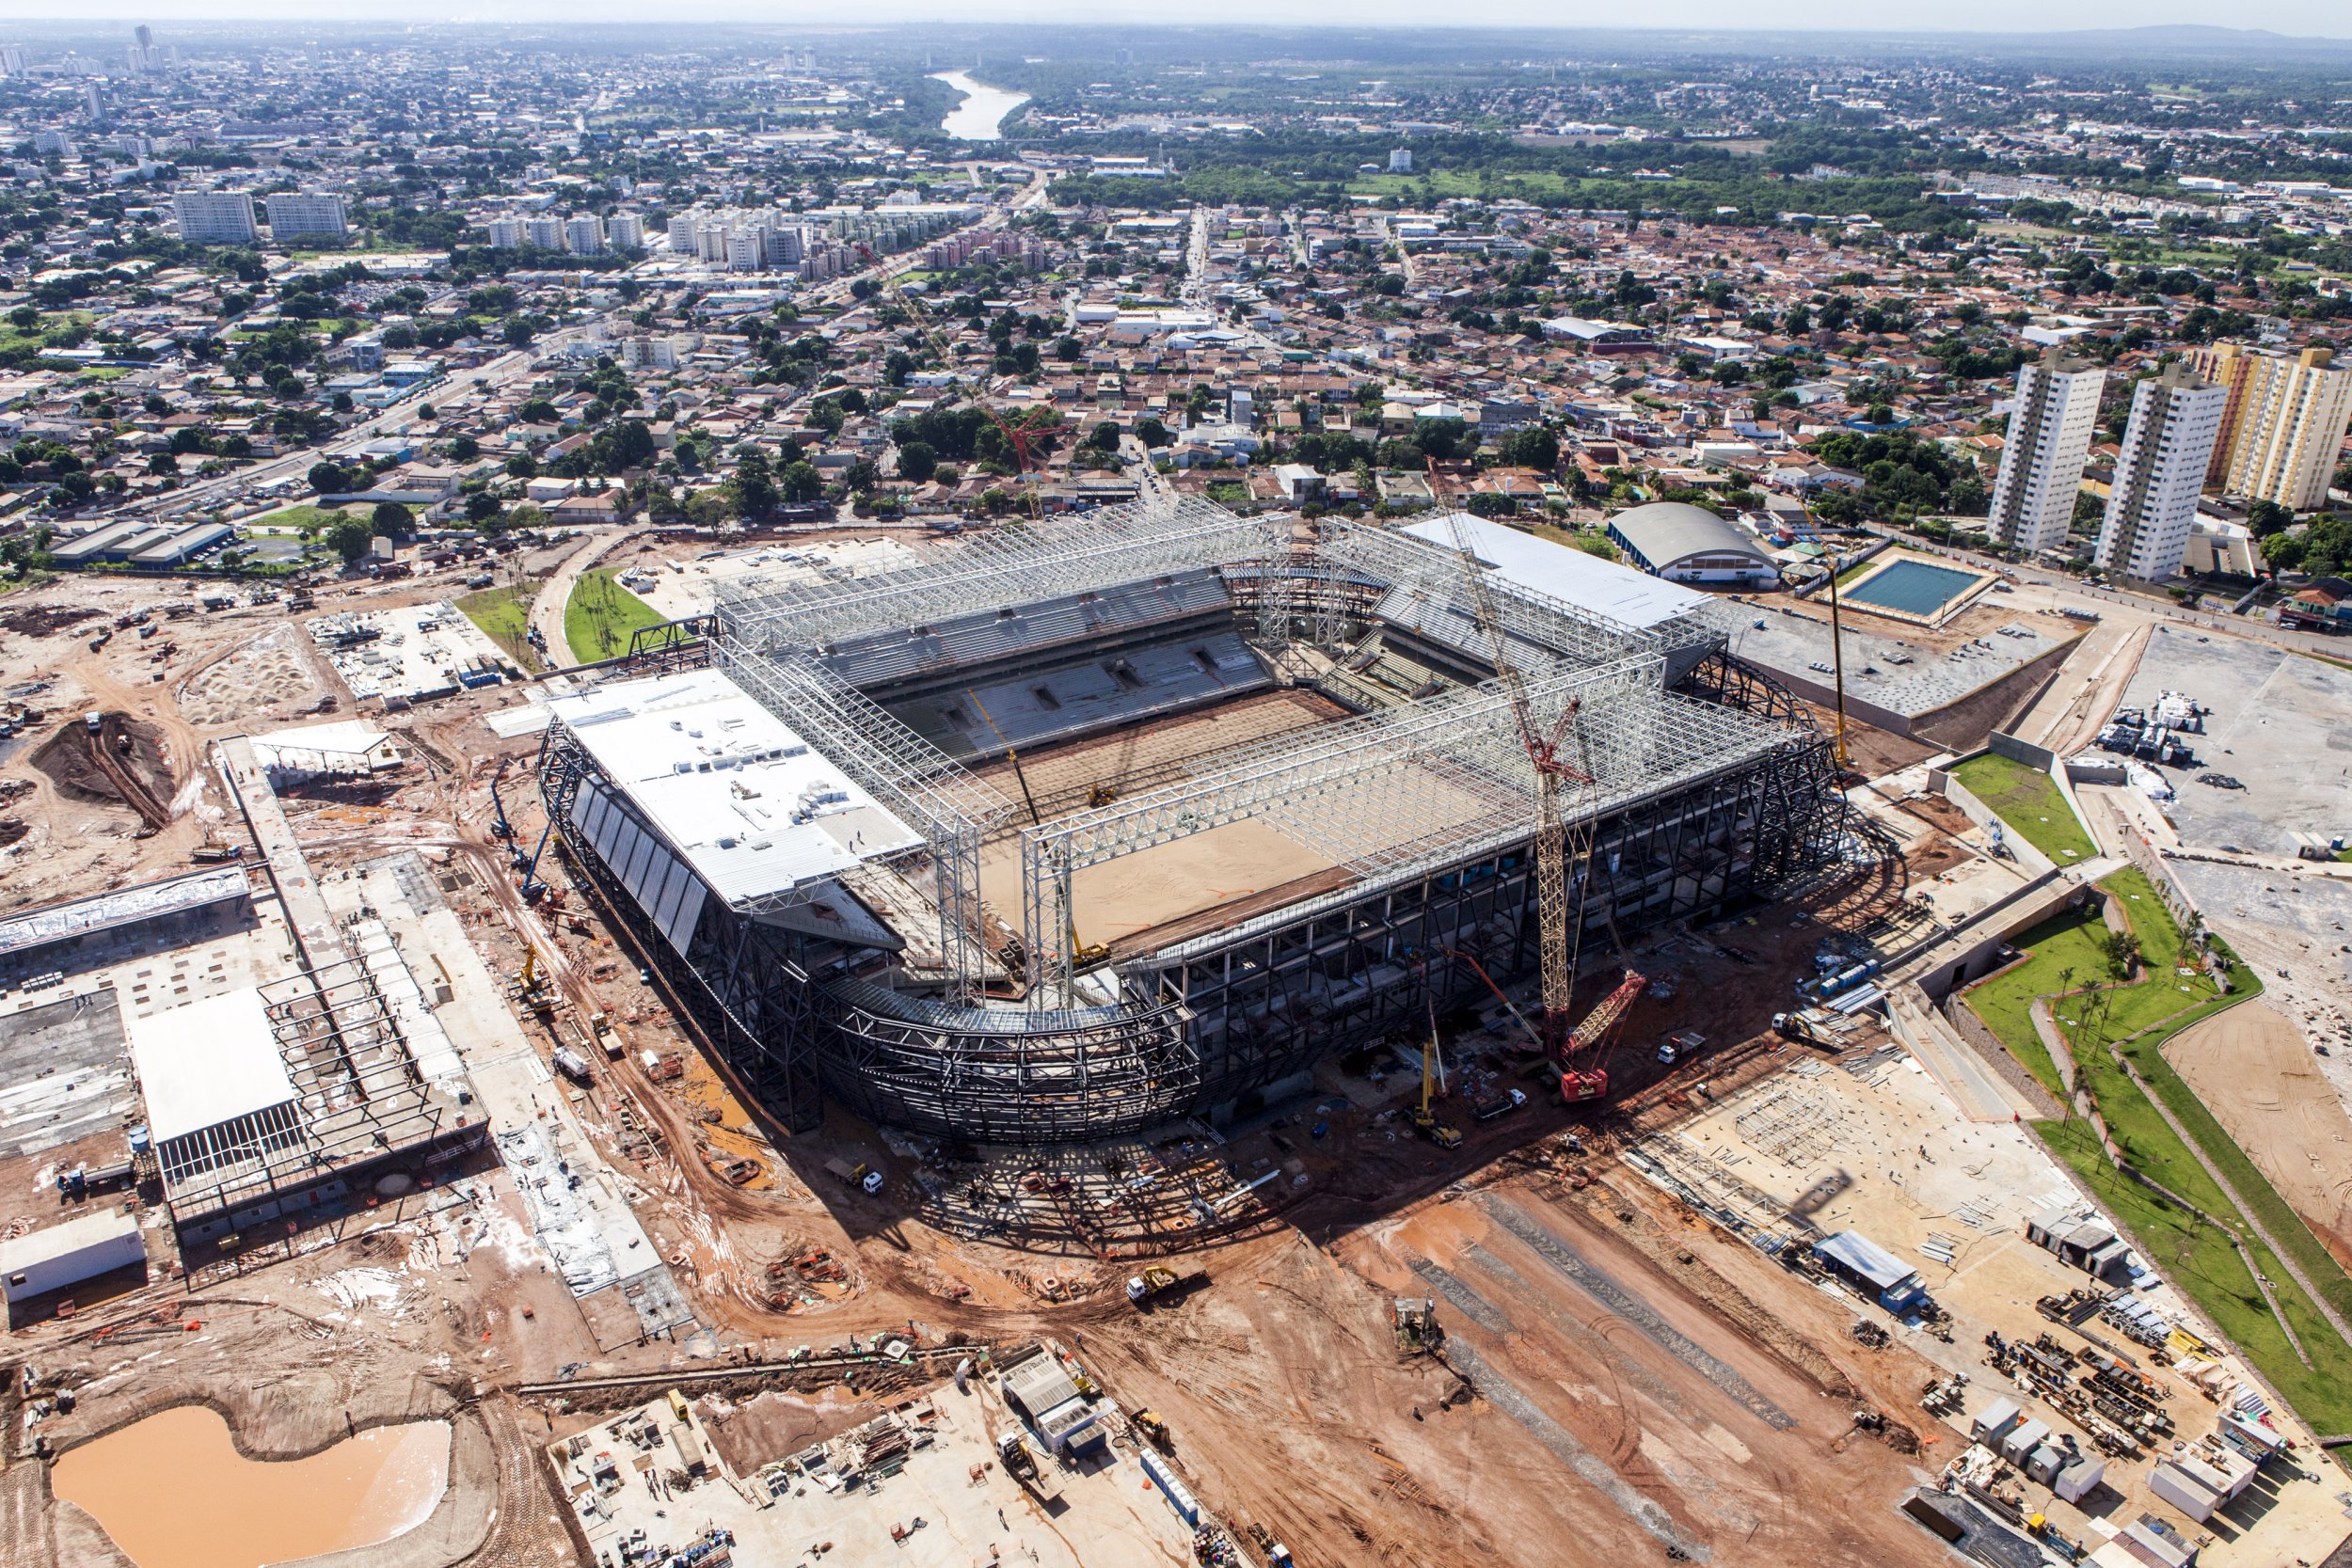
x: 174, y: 1492
x: 982, y: 111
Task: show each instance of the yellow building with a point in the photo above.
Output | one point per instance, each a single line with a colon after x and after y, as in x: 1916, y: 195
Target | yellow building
x: 2282, y: 421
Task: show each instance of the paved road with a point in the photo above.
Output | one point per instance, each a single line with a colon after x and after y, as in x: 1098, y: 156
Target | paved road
x: 547, y: 604
x: 205, y: 494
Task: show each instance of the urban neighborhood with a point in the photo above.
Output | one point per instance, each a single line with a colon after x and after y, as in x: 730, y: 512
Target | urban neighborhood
x: 1314, y: 794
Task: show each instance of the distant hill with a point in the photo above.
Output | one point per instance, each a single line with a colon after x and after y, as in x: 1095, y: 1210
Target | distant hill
x: 2171, y: 37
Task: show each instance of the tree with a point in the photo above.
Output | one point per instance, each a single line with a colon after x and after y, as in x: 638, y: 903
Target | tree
x: 350, y: 537
x: 801, y: 482
x: 328, y: 478
x: 1151, y: 433
x: 392, y: 521
x: 2122, y: 951
x: 825, y: 415
x: 1104, y: 437
x: 2266, y: 517
x: 1531, y: 448
x: 517, y: 331
x: 916, y: 460
x: 464, y: 448
x: 161, y: 463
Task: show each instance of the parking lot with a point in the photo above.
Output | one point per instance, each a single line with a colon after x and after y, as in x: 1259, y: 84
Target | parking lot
x: 2281, y: 725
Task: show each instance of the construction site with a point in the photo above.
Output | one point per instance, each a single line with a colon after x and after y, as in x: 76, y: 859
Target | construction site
x: 1152, y: 1036
x: 1381, y: 740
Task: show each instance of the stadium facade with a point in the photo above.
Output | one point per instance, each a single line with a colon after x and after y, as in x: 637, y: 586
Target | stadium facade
x: 1074, y: 828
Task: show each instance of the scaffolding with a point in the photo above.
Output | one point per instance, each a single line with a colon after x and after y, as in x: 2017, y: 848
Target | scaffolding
x: 1710, y: 786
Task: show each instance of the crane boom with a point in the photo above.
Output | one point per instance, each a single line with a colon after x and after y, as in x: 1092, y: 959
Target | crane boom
x: 1558, y: 863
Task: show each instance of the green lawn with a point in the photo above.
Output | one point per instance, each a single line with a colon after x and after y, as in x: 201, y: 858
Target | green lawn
x: 2029, y: 802
x: 1446, y: 182
x: 504, y: 616
x: 601, y: 614
x: 14, y: 337
x: 2199, y: 1258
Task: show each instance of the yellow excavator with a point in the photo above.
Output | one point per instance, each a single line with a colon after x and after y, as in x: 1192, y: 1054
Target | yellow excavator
x: 1425, y: 1121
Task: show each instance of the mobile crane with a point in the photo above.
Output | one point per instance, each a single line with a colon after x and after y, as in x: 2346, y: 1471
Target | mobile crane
x: 1425, y: 1121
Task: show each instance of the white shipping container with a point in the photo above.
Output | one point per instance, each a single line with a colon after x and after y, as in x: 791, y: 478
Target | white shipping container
x: 2182, y: 1490
x: 2078, y: 1480
x: 66, y: 1255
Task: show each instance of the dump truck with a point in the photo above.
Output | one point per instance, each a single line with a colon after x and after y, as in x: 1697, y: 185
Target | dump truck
x: 1497, y: 1104
x: 863, y: 1177
x: 1156, y: 1285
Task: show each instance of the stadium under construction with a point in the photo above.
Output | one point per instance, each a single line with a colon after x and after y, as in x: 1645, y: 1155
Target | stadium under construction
x: 1077, y: 828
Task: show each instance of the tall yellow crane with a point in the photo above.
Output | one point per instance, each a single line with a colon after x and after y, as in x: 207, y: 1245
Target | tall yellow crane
x: 1559, y: 934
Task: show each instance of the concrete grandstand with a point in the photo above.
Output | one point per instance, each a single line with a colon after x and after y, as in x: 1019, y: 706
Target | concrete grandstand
x: 1074, y: 828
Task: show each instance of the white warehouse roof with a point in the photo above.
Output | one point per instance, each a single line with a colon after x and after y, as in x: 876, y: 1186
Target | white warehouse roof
x: 206, y: 1063
x: 1565, y: 573
x: 751, y: 807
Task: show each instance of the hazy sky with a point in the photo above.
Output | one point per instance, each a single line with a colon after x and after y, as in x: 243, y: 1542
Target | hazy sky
x: 2308, y: 18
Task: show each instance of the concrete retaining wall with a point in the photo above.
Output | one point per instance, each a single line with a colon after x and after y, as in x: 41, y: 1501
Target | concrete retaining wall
x: 2027, y: 856
x: 2039, y: 758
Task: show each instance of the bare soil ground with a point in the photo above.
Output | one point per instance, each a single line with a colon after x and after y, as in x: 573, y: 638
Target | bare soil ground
x: 2254, y: 1071
x: 1585, y: 1428
x: 1160, y: 884
x: 122, y: 762
x: 1146, y: 756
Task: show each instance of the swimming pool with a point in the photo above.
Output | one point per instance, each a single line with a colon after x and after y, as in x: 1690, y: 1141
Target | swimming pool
x: 1913, y: 587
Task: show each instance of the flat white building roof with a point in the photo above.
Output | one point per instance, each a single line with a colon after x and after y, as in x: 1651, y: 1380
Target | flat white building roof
x: 1565, y: 573
x: 206, y: 1063
x: 347, y: 744
x: 754, y: 809
x: 98, y: 1228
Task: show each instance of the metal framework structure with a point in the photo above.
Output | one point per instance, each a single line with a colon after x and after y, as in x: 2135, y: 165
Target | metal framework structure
x: 360, y: 1106
x: 1708, y: 786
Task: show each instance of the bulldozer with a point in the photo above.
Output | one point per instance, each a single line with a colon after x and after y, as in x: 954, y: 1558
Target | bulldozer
x: 1149, y: 1423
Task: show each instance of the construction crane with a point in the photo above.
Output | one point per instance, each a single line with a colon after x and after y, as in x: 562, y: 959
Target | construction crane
x: 1425, y: 1121
x: 1559, y: 865
x: 502, y: 827
x: 1082, y: 955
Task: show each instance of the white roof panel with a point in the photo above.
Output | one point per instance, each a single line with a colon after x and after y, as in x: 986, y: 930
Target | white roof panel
x: 1562, y: 572
x: 755, y: 810
x: 206, y: 1063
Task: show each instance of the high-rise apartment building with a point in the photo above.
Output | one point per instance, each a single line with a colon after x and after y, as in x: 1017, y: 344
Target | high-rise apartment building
x: 2049, y: 441
x: 306, y: 215
x: 626, y: 232
x: 2176, y: 418
x: 506, y: 233
x: 584, y: 235
x: 15, y: 60
x: 214, y: 217
x: 544, y: 233
x: 2282, y: 422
